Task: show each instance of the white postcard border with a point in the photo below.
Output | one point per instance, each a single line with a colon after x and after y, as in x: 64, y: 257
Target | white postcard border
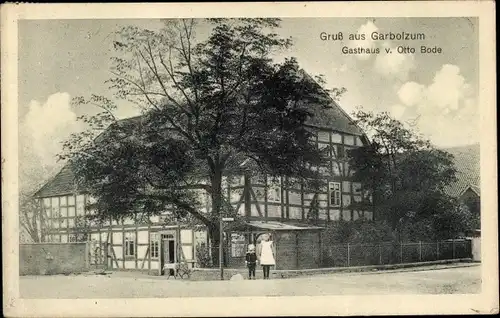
x: 485, y: 302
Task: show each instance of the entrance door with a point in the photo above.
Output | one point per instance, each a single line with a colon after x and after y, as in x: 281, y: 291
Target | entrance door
x: 168, y: 251
x: 168, y: 255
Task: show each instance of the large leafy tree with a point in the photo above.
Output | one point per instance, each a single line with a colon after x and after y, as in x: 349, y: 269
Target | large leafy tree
x: 208, y: 106
x: 406, y: 176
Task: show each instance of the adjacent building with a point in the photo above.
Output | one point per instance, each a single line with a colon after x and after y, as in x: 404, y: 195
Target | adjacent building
x: 467, y: 186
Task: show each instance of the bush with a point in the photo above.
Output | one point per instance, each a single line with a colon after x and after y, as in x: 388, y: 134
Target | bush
x: 371, y: 231
x: 455, y: 222
x: 418, y: 230
x: 359, y: 231
x: 203, y: 256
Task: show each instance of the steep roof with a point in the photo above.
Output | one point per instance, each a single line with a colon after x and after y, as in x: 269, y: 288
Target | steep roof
x: 466, y: 159
x: 331, y: 117
x: 62, y: 183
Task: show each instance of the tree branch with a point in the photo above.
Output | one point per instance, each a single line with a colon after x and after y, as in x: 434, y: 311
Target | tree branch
x: 155, y: 72
x: 187, y: 55
x: 139, y: 87
x: 170, y: 72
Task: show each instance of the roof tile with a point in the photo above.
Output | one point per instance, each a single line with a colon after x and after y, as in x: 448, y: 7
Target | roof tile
x: 466, y: 160
x: 62, y: 183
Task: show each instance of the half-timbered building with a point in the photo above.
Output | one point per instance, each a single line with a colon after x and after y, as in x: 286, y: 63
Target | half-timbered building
x: 267, y: 206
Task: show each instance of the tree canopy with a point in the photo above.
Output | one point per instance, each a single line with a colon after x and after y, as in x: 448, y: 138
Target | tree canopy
x: 406, y: 176
x: 208, y: 105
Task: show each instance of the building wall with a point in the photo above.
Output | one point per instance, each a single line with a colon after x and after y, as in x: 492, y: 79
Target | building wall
x: 308, y: 250
x: 271, y: 198
x: 476, y: 248
x: 53, y: 258
x: 141, y: 247
x: 298, y: 249
x: 255, y: 197
x: 130, y: 245
x: 24, y: 237
x: 287, y: 251
x: 472, y: 200
x: 63, y: 214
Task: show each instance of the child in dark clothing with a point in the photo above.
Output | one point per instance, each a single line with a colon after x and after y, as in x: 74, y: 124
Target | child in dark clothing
x: 251, y: 261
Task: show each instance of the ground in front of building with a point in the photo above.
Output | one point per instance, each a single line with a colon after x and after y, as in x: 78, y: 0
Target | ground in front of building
x: 458, y: 280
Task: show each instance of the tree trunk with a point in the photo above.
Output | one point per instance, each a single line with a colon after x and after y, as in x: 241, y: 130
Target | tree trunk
x: 214, y: 228
x: 215, y: 242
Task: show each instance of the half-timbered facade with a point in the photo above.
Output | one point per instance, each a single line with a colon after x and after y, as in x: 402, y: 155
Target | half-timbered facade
x: 267, y: 205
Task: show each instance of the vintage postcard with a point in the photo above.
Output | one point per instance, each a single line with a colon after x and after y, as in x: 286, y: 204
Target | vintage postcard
x: 249, y: 159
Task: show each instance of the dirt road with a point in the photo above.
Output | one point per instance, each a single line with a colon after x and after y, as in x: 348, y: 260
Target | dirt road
x: 443, y: 281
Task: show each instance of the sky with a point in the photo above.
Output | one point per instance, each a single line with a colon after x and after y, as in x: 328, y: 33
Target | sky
x: 62, y: 59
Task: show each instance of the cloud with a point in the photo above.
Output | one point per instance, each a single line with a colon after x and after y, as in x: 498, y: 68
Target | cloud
x: 447, y: 109
x: 366, y: 29
x: 394, y: 64
x: 451, y: 129
x: 43, y: 129
x: 448, y: 88
x: 390, y: 65
x: 411, y: 93
x: 398, y: 111
x: 126, y: 110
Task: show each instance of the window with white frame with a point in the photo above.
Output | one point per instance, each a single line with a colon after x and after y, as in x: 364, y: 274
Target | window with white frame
x: 334, y: 194
x: 129, y: 244
x: 155, y: 245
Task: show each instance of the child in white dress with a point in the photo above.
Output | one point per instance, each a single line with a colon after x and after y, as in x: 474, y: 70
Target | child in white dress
x: 266, y: 255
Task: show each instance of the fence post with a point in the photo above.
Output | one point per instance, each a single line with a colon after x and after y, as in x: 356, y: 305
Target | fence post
x: 437, y: 250
x: 420, y: 251
x: 401, y: 252
x: 348, y: 256
x: 87, y: 252
x: 453, y: 247
x: 469, y: 248
x: 380, y: 253
x: 320, y: 250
